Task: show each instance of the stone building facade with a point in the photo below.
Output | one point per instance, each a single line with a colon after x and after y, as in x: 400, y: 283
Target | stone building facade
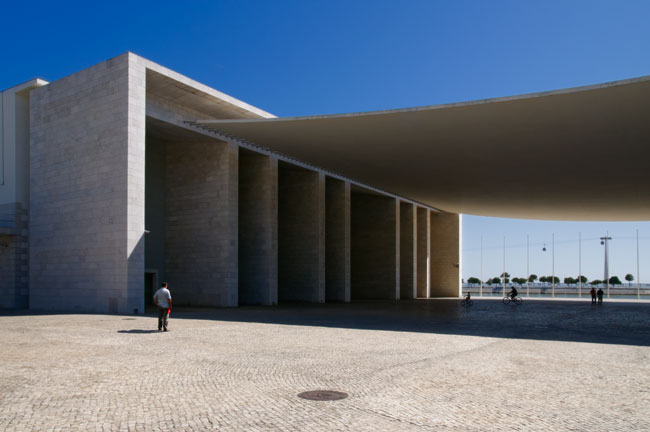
x: 108, y: 187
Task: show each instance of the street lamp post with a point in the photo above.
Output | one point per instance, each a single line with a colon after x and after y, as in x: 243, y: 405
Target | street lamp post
x: 504, y: 265
x: 638, y: 284
x: 553, y: 264
x: 579, y: 265
x: 603, y: 241
x: 527, y: 266
x: 481, y: 292
x: 543, y: 250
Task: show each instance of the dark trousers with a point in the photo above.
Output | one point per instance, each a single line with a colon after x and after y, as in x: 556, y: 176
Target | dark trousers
x: 163, y: 314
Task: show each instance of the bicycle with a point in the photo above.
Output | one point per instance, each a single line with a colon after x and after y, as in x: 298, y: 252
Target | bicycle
x: 508, y: 300
x: 466, y: 303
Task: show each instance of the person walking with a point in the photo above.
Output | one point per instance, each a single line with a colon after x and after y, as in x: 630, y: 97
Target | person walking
x: 593, y: 294
x: 599, y: 293
x: 163, y: 300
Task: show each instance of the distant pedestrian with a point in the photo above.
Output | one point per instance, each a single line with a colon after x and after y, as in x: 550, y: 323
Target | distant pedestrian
x: 593, y: 294
x: 163, y: 300
x: 599, y: 293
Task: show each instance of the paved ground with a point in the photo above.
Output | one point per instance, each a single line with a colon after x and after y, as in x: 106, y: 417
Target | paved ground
x: 407, y: 366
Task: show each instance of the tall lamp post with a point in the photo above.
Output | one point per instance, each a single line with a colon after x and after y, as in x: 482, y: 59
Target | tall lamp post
x: 603, y: 241
x: 638, y: 284
x: 553, y: 264
x: 504, y: 265
x: 579, y: 265
x: 481, y: 292
x: 527, y: 266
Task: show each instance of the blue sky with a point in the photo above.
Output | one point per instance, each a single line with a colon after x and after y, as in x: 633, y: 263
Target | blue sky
x: 317, y: 57
x: 622, y: 247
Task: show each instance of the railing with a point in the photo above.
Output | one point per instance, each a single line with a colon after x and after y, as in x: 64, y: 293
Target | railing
x: 561, y: 291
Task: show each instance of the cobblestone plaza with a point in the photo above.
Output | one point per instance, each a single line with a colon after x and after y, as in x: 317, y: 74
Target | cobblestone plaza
x: 406, y: 366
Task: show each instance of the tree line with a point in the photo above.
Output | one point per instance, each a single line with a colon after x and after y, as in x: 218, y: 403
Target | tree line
x: 498, y: 280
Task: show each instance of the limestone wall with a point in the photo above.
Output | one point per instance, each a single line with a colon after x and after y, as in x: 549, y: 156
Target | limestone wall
x: 301, y: 235
x: 87, y: 190
x: 423, y: 252
x: 337, y: 243
x: 155, y: 209
x: 445, y: 255
x: 201, y: 223
x: 14, y: 264
x: 375, y: 248
x: 408, y: 251
x: 258, y: 229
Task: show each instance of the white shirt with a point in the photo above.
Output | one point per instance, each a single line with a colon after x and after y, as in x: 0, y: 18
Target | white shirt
x: 162, y: 296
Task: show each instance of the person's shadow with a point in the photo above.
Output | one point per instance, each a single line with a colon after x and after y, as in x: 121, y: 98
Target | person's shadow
x: 137, y: 331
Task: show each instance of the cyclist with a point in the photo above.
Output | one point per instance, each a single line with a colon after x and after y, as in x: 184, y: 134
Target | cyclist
x: 513, y: 293
x: 468, y: 297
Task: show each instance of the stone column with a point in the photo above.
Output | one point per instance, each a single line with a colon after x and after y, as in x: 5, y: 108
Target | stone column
x: 201, y: 232
x: 408, y: 251
x: 258, y: 229
x: 445, y: 255
x: 375, y: 247
x: 423, y: 242
x: 337, y: 243
x: 301, y: 235
x: 135, y: 207
x: 155, y: 211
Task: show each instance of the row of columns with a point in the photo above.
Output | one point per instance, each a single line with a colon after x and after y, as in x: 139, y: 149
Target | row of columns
x: 298, y: 235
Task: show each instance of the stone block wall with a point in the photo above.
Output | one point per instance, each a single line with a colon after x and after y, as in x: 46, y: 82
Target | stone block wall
x: 135, y: 183
x: 87, y: 190
x: 423, y: 252
x: 14, y: 264
x: 337, y: 241
x: 258, y: 229
x: 155, y: 210
x: 408, y: 251
x: 375, y: 247
x: 301, y: 235
x: 201, y: 223
x: 445, y: 255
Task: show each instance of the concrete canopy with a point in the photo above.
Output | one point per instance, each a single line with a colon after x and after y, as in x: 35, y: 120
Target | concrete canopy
x: 575, y: 154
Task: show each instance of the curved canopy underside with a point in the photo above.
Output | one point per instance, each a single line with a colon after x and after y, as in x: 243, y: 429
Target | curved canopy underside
x: 577, y: 154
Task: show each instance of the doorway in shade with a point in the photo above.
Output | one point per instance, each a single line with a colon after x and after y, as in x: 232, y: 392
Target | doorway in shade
x: 150, y: 286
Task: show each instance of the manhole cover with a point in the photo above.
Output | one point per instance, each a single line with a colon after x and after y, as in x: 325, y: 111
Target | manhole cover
x: 323, y: 395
